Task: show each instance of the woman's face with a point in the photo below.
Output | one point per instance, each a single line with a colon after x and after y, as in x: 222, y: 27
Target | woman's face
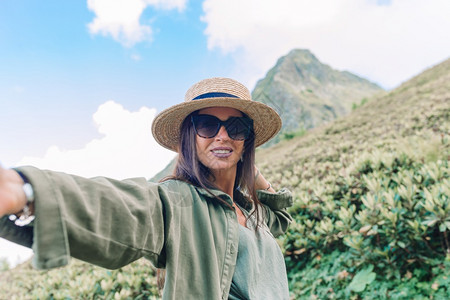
x: 220, y: 153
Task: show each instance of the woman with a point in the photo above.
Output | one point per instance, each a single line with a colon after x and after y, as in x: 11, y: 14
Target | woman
x: 210, y: 225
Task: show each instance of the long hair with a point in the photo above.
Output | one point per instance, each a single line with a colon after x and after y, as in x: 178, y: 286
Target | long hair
x: 188, y: 168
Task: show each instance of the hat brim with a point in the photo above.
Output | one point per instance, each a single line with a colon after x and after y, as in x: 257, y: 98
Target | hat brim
x: 167, y: 124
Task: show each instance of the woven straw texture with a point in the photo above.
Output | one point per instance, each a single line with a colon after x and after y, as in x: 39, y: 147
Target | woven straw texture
x: 166, y: 126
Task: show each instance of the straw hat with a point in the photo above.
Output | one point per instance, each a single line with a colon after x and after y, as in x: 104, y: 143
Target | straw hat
x: 223, y: 92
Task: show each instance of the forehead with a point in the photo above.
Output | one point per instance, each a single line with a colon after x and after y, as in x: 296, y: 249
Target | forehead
x: 223, y: 113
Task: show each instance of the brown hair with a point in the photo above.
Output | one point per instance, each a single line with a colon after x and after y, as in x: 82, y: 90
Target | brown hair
x: 188, y: 168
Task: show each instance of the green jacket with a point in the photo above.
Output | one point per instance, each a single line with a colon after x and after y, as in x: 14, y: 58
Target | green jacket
x: 112, y: 223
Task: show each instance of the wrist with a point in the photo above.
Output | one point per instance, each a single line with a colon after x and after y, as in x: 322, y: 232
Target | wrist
x: 268, y: 187
x: 261, y: 183
x: 25, y: 215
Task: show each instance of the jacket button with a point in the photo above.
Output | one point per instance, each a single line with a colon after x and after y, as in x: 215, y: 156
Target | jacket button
x: 232, y: 248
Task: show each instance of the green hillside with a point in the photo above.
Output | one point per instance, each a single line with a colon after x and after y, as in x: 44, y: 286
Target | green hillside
x: 372, y: 207
x: 165, y: 172
x: 371, y: 211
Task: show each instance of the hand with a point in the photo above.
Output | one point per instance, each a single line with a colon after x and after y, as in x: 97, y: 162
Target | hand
x: 261, y: 183
x: 12, y: 196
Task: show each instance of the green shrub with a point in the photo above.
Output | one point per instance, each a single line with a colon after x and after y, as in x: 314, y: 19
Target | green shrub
x: 391, y: 213
x: 363, y: 101
x: 80, y: 281
x: 289, y: 135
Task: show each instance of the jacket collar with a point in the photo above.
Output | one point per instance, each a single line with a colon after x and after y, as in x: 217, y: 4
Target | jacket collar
x: 238, y: 196
x: 215, y: 193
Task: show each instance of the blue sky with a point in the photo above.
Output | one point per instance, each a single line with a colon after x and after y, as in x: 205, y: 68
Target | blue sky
x: 55, y: 73
x: 81, y: 81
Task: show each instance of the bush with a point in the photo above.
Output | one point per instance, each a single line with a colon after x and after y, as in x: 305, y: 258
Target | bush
x: 363, y: 101
x: 390, y: 214
x: 80, y: 281
x: 289, y: 135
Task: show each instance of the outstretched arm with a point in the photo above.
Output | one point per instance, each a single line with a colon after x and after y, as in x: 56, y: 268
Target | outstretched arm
x: 99, y: 220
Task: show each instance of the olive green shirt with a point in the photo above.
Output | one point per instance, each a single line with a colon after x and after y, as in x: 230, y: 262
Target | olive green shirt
x: 112, y: 223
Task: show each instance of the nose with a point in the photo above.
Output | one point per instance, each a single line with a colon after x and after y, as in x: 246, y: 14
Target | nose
x: 222, y: 134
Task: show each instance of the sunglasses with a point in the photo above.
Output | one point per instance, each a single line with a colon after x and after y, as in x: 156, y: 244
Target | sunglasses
x: 207, y: 126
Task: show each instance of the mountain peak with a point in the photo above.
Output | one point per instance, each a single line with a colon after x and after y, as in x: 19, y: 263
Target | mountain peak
x: 304, y: 54
x: 307, y: 93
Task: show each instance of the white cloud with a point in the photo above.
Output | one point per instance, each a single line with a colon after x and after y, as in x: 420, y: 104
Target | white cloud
x: 120, y: 19
x: 126, y: 150
x: 385, y: 41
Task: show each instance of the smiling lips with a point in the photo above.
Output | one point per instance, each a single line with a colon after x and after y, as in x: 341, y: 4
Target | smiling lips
x: 222, y: 152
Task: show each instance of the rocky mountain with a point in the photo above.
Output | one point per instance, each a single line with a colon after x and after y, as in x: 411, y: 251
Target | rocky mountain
x: 415, y: 117
x: 307, y: 93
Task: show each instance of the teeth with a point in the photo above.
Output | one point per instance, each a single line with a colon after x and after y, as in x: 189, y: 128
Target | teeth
x: 221, y: 151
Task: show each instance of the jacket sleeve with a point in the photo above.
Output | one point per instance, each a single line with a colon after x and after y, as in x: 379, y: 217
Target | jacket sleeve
x: 275, y: 204
x: 102, y: 221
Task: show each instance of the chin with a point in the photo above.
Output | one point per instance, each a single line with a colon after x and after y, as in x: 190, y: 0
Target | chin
x: 221, y: 165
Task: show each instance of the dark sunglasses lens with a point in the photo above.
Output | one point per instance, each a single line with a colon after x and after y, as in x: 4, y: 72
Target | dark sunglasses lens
x: 206, y: 126
x: 238, y: 128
